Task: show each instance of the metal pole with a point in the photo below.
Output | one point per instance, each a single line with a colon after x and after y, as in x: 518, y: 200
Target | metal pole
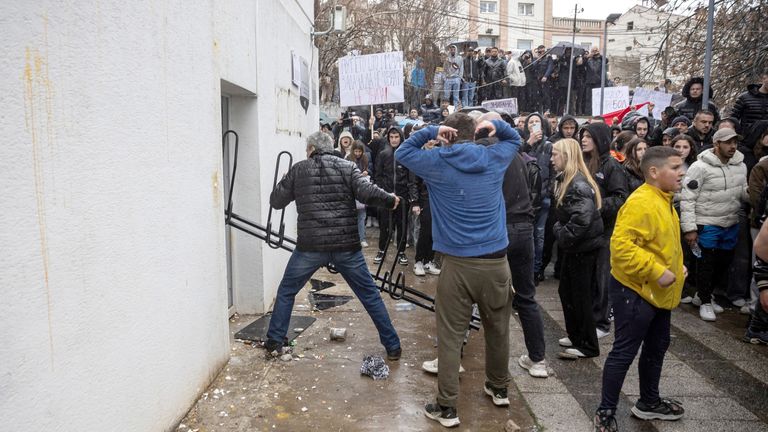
x: 602, y: 69
x: 708, y: 55
x: 570, y: 67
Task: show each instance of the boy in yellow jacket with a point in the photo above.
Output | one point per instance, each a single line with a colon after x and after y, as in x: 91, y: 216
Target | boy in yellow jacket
x: 647, y: 279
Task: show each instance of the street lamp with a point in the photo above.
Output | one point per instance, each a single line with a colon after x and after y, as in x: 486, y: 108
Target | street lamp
x: 610, y: 20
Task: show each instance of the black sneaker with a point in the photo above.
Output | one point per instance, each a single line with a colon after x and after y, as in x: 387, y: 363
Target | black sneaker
x: 446, y: 416
x: 394, y: 354
x: 499, y: 395
x: 402, y: 259
x: 273, y: 346
x: 665, y: 409
x: 605, y: 421
x: 379, y: 257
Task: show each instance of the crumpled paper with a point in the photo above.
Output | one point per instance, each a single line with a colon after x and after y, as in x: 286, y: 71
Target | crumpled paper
x: 374, y: 367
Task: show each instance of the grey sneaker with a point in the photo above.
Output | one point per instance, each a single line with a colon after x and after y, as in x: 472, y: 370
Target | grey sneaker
x: 605, y: 421
x: 431, y: 268
x: 446, y: 416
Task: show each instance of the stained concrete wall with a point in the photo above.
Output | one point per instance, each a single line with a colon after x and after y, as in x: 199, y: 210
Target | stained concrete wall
x: 112, y: 247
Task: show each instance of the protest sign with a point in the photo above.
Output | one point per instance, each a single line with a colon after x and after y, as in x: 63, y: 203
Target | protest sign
x: 615, y: 98
x: 661, y: 100
x: 371, y: 79
x: 506, y: 105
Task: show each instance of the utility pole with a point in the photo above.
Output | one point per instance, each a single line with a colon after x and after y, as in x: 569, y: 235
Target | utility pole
x: 708, y: 56
x: 570, y: 67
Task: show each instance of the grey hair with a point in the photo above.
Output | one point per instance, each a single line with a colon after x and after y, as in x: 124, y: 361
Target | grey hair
x: 321, y: 142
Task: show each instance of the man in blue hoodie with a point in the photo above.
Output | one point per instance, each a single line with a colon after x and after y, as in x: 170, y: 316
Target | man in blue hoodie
x: 464, y: 180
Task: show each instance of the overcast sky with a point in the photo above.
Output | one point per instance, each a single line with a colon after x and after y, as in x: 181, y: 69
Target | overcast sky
x: 593, y: 9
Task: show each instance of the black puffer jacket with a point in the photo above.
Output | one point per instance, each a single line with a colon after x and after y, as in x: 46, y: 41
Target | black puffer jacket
x: 610, y: 176
x: 559, y: 134
x: 578, y: 227
x: 393, y: 176
x: 751, y: 106
x: 325, y: 188
x: 690, y: 106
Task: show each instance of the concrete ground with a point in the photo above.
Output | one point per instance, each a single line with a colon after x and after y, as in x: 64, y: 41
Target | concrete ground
x: 722, y: 382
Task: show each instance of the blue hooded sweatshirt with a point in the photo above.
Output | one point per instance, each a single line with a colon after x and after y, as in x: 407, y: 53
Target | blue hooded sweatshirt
x: 464, y: 183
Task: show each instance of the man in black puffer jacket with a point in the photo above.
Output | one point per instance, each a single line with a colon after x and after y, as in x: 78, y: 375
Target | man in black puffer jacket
x: 752, y: 105
x: 693, y: 90
x: 325, y: 188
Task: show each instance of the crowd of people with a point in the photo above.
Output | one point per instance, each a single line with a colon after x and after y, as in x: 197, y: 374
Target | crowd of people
x: 638, y: 217
x: 537, y: 78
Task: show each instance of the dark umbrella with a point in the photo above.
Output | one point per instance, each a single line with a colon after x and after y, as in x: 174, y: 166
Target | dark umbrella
x: 559, y: 49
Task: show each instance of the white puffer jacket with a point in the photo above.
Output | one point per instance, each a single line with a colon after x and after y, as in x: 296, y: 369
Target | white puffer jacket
x: 515, y: 72
x: 713, y: 191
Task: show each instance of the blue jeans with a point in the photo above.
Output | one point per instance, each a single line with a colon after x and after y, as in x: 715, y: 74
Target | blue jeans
x: 467, y: 94
x: 353, y: 268
x: 637, y: 322
x: 538, y: 234
x: 452, y: 85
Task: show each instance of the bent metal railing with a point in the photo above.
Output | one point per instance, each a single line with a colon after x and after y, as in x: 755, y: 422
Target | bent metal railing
x: 396, y: 289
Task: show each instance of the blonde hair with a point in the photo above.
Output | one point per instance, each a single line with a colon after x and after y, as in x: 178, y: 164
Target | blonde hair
x: 570, y: 152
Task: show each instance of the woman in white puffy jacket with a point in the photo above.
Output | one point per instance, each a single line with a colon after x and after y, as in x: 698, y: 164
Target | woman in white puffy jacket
x: 713, y: 190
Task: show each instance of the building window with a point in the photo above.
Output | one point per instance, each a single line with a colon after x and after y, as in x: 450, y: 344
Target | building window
x: 524, y: 44
x: 487, y: 7
x: 486, y: 41
x: 631, y: 25
x: 525, y: 9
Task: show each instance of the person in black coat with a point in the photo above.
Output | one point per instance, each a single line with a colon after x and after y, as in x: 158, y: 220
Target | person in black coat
x: 693, y: 91
x: 325, y: 188
x: 393, y: 177
x: 579, y: 233
x: 752, y: 105
x: 614, y: 189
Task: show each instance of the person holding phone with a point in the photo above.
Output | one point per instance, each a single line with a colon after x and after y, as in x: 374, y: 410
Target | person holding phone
x: 537, y: 145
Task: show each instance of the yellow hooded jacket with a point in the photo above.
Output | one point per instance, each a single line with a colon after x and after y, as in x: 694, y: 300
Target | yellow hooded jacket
x: 645, y: 243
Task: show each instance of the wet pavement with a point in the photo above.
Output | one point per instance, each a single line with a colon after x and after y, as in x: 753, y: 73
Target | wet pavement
x: 722, y: 381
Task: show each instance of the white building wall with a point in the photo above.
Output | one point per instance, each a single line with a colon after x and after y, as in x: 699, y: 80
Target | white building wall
x: 526, y: 27
x: 112, y: 265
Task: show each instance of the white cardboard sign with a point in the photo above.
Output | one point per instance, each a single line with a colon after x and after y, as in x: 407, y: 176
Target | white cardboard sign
x: 507, y: 105
x: 371, y: 79
x: 661, y: 100
x: 616, y: 98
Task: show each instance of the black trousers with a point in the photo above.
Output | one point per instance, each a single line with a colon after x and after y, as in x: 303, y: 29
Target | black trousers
x: 576, y: 285
x: 392, y: 222
x: 712, y: 271
x: 424, y: 252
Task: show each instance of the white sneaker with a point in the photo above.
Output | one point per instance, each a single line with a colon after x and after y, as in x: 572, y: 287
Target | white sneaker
x: 364, y: 243
x: 418, y: 269
x: 697, y: 302
x: 535, y: 369
x: 571, y: 354
x: 744, y: 310
x: 565, y: 342
x: 431, y: 268
x: 707, y: 312
x: 431, y: 366
x: 739, y: 302
x: 601, y: 334
x: 686, y: 300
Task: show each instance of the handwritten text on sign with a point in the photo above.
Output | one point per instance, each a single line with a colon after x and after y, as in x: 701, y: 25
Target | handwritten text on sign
x: 371, y: 79
x: 506, y: 105
x: 616, y: 98
x: 661, y: 100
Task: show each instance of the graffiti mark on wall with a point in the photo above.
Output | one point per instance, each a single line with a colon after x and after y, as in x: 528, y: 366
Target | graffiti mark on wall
x: 289, y: 112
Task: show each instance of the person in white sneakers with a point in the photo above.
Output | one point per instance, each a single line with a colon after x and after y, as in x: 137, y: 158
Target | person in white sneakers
x: 713, y: 190
x: 425, y: 255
